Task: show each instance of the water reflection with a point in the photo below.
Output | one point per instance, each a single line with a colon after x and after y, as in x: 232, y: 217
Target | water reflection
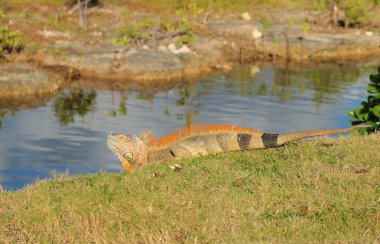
x: 69, y: 131
x: 122, y: 108
x: 73, y: 102
x: 284, y: 82
x: 2, y: 116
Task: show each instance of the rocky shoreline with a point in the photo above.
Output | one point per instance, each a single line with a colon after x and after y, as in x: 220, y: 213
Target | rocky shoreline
x: 220, y: 46
x: 225, y: 45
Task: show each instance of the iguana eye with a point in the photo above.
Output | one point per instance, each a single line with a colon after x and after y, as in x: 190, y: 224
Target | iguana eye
x: 128, y: 155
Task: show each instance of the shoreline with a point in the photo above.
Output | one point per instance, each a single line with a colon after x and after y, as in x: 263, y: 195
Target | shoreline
x: 221, y: 44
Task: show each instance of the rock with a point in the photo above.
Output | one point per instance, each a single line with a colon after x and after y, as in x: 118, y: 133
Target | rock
x: 53, y: 34
x: 20, y: 80
x: 172, y: 48
x: 217, y: 66
x: 256, y: 34
x: 250, y: 30
x: 246, y: 16
x: 162, y: 48
x: 139, y: 65
x: 99, y: 33
x: 369, y: 33
x: 131, y: 51
x: 183, y: 49
x: 226, y: 67
x: 254, y: 70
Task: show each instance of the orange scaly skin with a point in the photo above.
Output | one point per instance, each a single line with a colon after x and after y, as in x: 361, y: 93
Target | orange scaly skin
x: 200, y: 140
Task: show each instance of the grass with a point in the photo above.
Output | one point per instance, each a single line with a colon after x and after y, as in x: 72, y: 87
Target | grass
x: 242, y: 5
x: 170, y: 5
x: 326, y: 190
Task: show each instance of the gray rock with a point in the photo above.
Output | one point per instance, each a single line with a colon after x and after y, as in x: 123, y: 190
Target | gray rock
x: 133, y: 64
x: 247, y: 29
x: 18, y: 80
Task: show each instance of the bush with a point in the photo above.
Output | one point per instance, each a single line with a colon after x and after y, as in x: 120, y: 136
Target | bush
x: 190, y: 36
x: 141, y: 33
x: 369, y: 112
x: 355, y: 12
x: 10, y: 40
x: 138, y: 33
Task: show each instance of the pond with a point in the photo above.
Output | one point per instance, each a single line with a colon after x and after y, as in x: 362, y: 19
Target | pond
x: 68, y: 133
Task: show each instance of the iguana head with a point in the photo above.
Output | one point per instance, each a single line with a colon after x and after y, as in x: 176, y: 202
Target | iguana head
x: 131, y: 150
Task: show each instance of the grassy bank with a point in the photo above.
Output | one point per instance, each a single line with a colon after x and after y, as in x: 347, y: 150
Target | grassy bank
x: 173, y: 4
x: 326, y: 190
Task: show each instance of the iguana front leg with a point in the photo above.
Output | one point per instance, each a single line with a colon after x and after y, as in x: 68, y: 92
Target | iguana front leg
x: 127, y: 166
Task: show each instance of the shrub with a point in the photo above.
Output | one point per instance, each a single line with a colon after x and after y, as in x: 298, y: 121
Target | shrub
x: 138, y: 33
x: 369, y: 112
x: 10, y: 40
x: 355, y: 12
x: 190, y: 36
x: 141, y: 33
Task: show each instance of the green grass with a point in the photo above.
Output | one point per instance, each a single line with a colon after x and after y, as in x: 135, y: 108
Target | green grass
x: 241, y: 5
x: 170, y: 5
x: 320, y: 191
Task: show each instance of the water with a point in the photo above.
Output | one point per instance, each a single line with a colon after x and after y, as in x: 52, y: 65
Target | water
x: 69, y: 132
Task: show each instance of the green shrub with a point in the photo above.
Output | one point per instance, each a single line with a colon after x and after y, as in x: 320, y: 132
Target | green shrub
x: 190, y: 36
x: 10, y: 40
x: 2, y: 12
x: 306, y: 27
x: 137, y: 33
x: 320, y: 4
x: 369, y: 112
x: 266, y: 23
x: 355, y: 12
x: 375, y: 2
x: 141, y: 33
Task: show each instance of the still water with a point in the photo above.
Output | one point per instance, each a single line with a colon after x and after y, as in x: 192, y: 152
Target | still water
x: 68, y: 133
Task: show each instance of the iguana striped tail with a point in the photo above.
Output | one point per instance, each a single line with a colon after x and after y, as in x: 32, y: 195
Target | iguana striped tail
x: 294, y: 136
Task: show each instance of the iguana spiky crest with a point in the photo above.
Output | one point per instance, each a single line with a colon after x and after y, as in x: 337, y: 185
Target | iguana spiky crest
x: 196, y: 130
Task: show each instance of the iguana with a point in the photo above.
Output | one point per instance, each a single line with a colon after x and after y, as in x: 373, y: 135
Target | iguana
x: 200, y: 140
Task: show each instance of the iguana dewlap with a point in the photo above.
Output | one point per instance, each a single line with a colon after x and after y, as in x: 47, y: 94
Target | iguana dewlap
x: 200, y: 140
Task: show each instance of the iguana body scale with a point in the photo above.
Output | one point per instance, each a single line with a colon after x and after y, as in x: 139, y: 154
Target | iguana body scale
x: 200, y: 140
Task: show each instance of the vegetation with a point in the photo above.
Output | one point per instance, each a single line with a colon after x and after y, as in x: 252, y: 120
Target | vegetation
x: 369, y: 112
x: 188, y: 29
x: 306, y: 27
x: 139, y: 33
x: 199, y: 6
x: 265, y: 23
x: 191, y: 6
x: 355, y: 12
x: 142, y: 32
x: 320, y: 4
x: 320, y: 191
x: 75, y: 102
x: 10, y: 40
